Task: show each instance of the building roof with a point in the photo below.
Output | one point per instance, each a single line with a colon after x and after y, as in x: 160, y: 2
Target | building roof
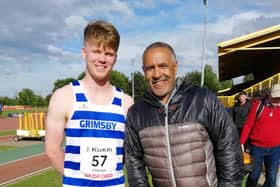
x: 257, y: 53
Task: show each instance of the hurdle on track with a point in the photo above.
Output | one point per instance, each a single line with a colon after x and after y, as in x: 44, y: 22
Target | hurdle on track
x: 31, y: 125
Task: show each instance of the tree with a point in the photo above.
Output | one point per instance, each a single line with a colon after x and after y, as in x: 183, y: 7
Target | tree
x: 248, y: 77
x: 210, y: 79
x: 140, y: 85
x: 119, y: 80
x: 194, y: 77
x: 7, y: 101
x: 38, y: 101
x: 62, y: 82
x: 81, y: 76
x: 26, y: 97
x: 225, y: 84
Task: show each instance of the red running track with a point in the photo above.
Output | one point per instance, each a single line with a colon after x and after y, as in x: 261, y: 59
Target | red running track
x: 16, y: 170
x: 13, y: 171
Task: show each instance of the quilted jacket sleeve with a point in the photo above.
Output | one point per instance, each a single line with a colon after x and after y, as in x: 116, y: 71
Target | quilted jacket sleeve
x: 225, y: 139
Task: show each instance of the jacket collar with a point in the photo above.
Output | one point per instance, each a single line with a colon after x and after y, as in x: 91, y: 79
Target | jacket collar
x: 180, y: 86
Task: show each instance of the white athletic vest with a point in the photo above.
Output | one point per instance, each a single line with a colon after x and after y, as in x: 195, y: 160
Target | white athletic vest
x: 94, y: 142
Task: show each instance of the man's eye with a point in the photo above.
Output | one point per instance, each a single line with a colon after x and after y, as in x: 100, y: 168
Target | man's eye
x: 163, y: 66
x: 109, y: 54
x: 95, y: 51
x: 148, y: 68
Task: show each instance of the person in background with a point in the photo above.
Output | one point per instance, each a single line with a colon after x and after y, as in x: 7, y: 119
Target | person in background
x: 263, y: 131
x: 1, y: 108
x: 241, y: 110
x: 182, y: 134
x: 91, y: 113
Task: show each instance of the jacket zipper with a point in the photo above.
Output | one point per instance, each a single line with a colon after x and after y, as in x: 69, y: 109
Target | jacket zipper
x: 169, y: 155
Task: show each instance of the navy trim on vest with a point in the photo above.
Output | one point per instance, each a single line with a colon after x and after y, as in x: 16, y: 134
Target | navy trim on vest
x: 94, y: 133
x: 72, y: 149
x: 117, y: 101
x: 75, y: 83
x: 80, y: 97
x: 119, y: 166
x: 118, y: 89
x: 98, y: 116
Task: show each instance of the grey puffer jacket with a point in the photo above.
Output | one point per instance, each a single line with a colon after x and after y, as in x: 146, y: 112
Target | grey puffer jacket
x: 189, y: 142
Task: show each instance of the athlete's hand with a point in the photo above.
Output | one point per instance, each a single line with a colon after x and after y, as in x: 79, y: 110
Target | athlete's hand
x: 242, y: 147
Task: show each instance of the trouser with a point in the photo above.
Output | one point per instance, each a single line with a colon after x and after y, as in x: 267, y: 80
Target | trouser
x: 270, y: 157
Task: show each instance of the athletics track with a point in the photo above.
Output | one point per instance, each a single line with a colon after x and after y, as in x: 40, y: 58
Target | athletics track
x: 25, y: 160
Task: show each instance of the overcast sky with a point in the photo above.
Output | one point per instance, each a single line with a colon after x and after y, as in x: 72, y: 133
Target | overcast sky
x: 40, y: 41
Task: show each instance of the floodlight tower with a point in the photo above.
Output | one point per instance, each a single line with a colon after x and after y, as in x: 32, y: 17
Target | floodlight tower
x: 204, y: 42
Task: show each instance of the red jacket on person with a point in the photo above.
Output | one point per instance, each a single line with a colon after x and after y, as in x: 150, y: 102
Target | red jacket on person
x: 265, y: 131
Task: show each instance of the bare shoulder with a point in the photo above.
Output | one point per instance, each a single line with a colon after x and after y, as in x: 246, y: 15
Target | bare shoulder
x: 63, y: 95
x: 62, y: 100
x: 128, y: 101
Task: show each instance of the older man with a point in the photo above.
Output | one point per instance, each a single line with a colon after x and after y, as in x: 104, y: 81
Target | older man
x: 181, y: 133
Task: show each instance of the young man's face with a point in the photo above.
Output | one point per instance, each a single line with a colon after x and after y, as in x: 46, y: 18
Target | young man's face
x: 160, y: 68
x: 99, y: 60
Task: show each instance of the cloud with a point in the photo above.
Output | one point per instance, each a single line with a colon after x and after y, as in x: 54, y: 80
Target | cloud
x: 40, y: 41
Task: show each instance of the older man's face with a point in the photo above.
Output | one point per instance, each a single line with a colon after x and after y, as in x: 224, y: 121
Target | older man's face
x: 160, y: 68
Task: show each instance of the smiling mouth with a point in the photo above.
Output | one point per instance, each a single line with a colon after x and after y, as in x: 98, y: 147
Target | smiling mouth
x: 159, y: 83
x: 100, y: 67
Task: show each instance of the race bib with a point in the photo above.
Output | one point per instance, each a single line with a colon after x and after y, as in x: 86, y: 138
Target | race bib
x: 97, y: 156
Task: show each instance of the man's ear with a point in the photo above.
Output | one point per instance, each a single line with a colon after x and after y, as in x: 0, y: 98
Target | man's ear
x: 83, y: 52
x: 176, y: 67
x: 116, y: 59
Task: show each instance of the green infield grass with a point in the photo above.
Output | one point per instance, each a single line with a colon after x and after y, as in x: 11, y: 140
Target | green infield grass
x: 46, y: 179
x: 52, y: 178
x: 5, y: 113
x: 7, y: 132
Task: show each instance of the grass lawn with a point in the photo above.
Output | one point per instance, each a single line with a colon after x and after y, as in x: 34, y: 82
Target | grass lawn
x: 52, y: 178
x: 44, y: 179
x: 6, y: 112
x: 8, y: 132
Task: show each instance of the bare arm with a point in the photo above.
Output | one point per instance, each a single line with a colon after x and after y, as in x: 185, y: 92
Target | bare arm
x: 128, y: 101
x: 58, y: 113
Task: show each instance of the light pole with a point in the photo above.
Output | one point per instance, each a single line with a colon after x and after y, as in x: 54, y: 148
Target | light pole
x: 204, y: 43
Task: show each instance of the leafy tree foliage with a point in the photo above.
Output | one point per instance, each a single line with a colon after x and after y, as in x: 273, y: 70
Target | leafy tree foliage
x: 194, y: 77
x: 81, y: 76
x: 26, y: 96
x: 8, y: 101
x: 140, y: 85
x: 248, y: 77
x: 119, y: 80
x: 210, y: 79
x: 62, y: 82
x: 225, y: 84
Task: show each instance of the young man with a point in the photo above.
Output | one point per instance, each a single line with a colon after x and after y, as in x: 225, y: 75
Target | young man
x: 263, y: 132
x: 182, y: 134
x: 91, y: 113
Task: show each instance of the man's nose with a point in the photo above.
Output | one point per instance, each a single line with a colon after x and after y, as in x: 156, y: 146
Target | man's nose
x: 157, y: 72
x: 102, y: 57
